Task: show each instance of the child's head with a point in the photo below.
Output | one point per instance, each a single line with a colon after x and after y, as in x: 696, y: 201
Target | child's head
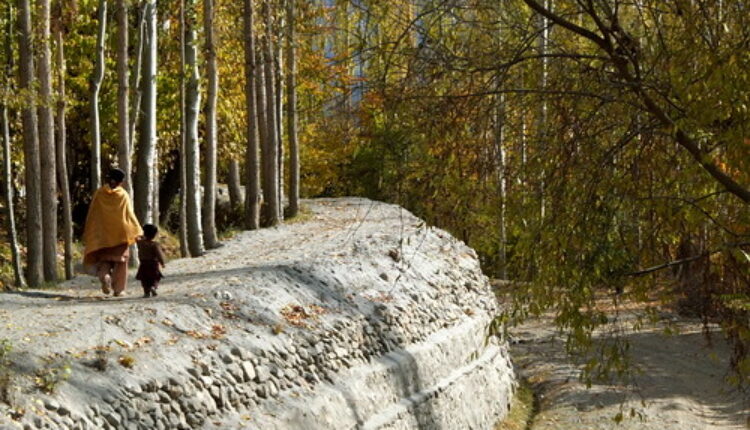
x: 149, y: 231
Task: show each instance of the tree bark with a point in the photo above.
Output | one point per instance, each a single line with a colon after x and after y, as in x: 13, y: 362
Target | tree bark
x: 96, y: 85
x: 27, y: 85
x: 18, y: 277
x: 209, y: 188
x: 60, y: 145
x: 136, y: 85
x: 252, y: 161
x: 124, y: 150
x: 291, y: 111
x: 47, y: 145
x: 144, y: 181
x: 270, y: 155
x: 123, y: 93
x: 279, y: 108
x: 234, y: 185
x: 192, y: 153
x: 183, y: 175
x: 541, y: 116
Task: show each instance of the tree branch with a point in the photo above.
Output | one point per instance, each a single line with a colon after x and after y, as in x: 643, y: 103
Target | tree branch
x: 686, y: 260
x: 588, y: 34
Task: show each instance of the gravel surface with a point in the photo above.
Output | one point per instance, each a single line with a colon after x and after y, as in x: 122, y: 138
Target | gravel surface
x: 680, y: 382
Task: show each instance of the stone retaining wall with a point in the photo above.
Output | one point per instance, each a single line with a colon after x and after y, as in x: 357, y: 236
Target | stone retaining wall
x: 386, y: 332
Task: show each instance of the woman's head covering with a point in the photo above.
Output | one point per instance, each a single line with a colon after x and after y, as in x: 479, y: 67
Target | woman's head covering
x: 116, y: 175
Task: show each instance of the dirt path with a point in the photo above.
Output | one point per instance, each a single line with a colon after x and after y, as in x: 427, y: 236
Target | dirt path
x: 680, y: 384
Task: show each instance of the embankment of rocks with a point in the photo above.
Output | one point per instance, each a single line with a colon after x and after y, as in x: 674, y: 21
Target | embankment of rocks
x: 361, y: 316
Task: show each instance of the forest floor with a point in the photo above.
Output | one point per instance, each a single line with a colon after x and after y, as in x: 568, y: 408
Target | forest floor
x: 679, y: 380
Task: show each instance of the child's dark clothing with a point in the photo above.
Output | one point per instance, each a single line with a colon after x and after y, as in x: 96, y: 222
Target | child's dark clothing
x: 151, y: 258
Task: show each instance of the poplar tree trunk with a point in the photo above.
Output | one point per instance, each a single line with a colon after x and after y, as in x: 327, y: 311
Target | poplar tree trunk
x: 192, y: 153
x: 27, y: 84
x: 144, y: 183
x: 279, y: 109
x: 47, y: 145
x: 291, y: 111
x: 123, y: 94
x: 252, y: 161
x: 8, y: 197
x: 18, y: 278
x: 60, y: 145
x: 209, y: 188
x: 270, y: 155
x: 96, y: 84
x: 125, y: 143
x: 234, y: 185
x: 135, y: 108
x: 183, y: 178
x: 541, y: 115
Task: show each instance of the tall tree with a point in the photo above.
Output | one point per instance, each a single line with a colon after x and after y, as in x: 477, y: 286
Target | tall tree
x: 18, y: 277
x: 47, y: 144
x: 184, y: 251
x: 278, y: 97
x: 135, y: 108
x: 192, y: 145
x: 123, y: 92
x: 27, y: 85
x: 270, y: 146
x: 60, y: 142
x: 96, y: 85
x: 209, y: 187
x: 252, y: 161
x: 291, y: 110
x: 145, y: 182
x: 124, y: 144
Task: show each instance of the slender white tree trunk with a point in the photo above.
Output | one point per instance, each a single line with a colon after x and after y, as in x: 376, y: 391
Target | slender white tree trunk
x: 192, y: 153
x: 278, y: 106
x: 96, y: 84
x: 144, y: 183
x: 209, y: 188
x: 135, y: 108
x: 252, y: 161
x: 541, y: 116
x: 19, y: 280
x: 27, y: 84
x: 60, y: 145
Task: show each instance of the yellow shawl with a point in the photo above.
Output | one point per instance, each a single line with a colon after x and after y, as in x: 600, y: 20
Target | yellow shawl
x: 110, y: 222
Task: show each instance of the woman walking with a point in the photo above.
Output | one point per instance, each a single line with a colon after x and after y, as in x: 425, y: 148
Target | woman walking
x: 111, y: 227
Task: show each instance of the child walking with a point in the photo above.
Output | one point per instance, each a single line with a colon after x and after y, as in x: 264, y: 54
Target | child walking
x: 152, y: 260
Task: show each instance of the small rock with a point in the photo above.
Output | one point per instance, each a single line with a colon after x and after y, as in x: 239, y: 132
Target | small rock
x: 263, y: 374
x: 248, y: 371
x: 226, y: 358
x: 113, y: 418
x: 51, y: 404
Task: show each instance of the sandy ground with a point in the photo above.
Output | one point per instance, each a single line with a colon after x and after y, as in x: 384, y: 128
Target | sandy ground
x: 680, y: 382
